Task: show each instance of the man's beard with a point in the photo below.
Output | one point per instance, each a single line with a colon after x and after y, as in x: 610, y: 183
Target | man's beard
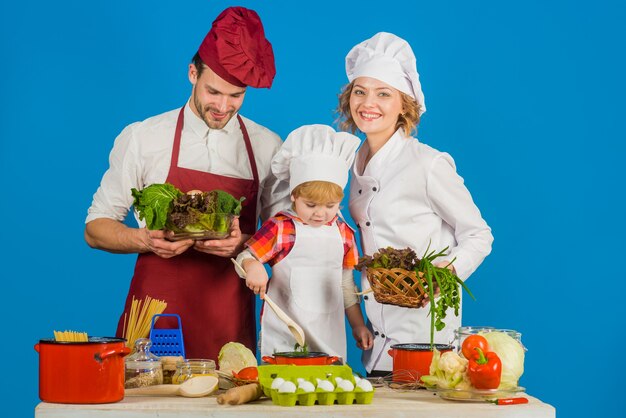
x: 205, y: 116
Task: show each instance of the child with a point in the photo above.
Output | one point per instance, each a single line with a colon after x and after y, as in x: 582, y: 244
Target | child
x: 311, y: 250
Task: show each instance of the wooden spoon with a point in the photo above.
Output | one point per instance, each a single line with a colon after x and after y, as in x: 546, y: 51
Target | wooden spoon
x: 238, y: 268
x: 294, y: 328
x: 195, y: 387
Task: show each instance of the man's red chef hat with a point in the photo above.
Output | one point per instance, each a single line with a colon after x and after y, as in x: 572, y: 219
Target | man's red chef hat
x: 236, y: 49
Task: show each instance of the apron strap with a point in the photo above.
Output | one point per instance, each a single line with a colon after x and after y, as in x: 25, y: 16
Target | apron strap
x: 177, y: 135
x: 246, y: 139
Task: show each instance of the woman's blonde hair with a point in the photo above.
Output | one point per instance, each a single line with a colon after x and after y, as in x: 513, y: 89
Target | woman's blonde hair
x: 320, y: 192
x: 408, y: 120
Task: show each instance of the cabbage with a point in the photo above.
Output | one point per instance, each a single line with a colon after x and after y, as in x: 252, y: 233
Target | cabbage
x: 153, y: 203
x: 234, y: 357
x: 511, y: 353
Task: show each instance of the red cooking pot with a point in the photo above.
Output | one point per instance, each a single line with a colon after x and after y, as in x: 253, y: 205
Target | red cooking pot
x: 82, y: 372
x: 412, y: 361
x: 312, y: 358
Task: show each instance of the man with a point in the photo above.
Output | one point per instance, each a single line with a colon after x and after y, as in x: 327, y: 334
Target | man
x: 205, y: 145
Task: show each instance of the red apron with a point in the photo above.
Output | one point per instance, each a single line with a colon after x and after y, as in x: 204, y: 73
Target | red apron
x: 214, y: 304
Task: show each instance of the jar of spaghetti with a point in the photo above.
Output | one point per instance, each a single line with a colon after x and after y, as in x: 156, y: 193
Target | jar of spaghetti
x: 142, y: 368
x: 193, y: 367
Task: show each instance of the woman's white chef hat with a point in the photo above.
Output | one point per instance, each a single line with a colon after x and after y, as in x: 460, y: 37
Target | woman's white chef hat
x: 389, y: 59
x: 315, y: 153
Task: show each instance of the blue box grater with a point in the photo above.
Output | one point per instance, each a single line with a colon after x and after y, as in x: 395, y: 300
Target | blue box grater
x: 167, y: 341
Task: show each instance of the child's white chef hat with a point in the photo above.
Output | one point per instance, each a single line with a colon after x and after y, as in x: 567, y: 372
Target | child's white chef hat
x: 389, y: 59
x: 315, y: 153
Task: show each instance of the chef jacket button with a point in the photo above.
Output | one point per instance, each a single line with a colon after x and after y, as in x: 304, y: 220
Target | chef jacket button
x: 365, y: 297
x: 376, y: 333
x: 382, y: 335
x: 374, y: 188
x: 367, y: 223
x: 360, y: 191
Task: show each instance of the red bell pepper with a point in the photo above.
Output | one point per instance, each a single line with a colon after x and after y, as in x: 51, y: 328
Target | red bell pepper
x: 248, y: 374
x: 484, y: 370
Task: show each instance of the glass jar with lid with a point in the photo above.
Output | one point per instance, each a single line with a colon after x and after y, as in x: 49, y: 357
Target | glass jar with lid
x: 142, y: 368
x: 189, y: 368
x: 460, y: 334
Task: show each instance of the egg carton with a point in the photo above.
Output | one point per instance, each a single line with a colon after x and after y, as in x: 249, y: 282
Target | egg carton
x: 267, y: 374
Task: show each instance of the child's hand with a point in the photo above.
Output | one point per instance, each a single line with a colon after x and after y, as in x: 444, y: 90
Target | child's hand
x: 363, y: 337
x: 256, y: 277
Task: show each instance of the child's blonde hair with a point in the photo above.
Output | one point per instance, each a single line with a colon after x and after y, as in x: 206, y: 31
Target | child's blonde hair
x: 320, y: 192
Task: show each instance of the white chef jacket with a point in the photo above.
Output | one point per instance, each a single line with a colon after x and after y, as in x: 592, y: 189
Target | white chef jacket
x: 408, y: 195
x: 142, y: 152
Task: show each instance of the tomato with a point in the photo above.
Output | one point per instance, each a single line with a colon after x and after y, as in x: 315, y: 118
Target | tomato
x: 472, y: 342
x: 247, y: 373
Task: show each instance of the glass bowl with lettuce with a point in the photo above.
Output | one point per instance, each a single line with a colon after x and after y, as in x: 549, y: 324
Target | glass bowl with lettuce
x: 194, y: 215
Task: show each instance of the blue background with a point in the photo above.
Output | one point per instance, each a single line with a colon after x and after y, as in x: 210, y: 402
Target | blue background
x: 528, y: 97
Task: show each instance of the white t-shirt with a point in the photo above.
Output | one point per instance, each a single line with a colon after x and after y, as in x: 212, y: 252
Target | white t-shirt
x: 142, y: 154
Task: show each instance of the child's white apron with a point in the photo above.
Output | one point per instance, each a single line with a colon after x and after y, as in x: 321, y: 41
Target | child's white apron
x: 306, y: 284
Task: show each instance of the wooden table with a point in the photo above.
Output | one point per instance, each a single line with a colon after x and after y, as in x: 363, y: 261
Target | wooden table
x: 387, y: 403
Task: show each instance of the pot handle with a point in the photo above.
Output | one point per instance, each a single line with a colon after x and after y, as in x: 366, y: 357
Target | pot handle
x: 37, y: 347
x: 391, y: 351
x: 331, y: 359
x: 99, y: 357
x: 268, y: 359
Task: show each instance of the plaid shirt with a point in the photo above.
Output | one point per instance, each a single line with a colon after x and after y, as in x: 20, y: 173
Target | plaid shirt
x: 276, y: 237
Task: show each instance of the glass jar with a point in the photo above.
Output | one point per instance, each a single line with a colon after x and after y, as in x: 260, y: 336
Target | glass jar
x: 460, y: 334
x: 142, y: 368
x: 193, y: 367
x: 169, y: 367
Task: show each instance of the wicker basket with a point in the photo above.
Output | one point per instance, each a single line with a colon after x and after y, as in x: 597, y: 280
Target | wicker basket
x: 397, y: 286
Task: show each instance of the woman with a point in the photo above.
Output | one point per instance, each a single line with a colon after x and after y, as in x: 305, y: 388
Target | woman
x: 403, y: 193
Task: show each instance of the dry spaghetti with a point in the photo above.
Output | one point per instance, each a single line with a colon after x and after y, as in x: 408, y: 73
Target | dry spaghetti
x: 70, y: 336
x: 140, y: 317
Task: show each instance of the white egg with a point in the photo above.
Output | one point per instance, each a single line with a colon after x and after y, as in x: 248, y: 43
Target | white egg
x: 338, y: 380
x: 346, y: 385
x: 300, y: 380
x: 277, y: 382
x: 325, y: 385
x: 306, y: 386
x: 365, y: 385
x: 287, y: 387
x: 357, y: 379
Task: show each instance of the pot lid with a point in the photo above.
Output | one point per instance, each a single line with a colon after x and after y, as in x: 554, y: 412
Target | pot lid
x: 92, y: 340
x: 299, y: 354
x: 421, y: 347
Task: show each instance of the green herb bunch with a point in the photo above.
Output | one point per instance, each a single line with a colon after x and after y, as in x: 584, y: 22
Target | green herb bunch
x: 448, y: 284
